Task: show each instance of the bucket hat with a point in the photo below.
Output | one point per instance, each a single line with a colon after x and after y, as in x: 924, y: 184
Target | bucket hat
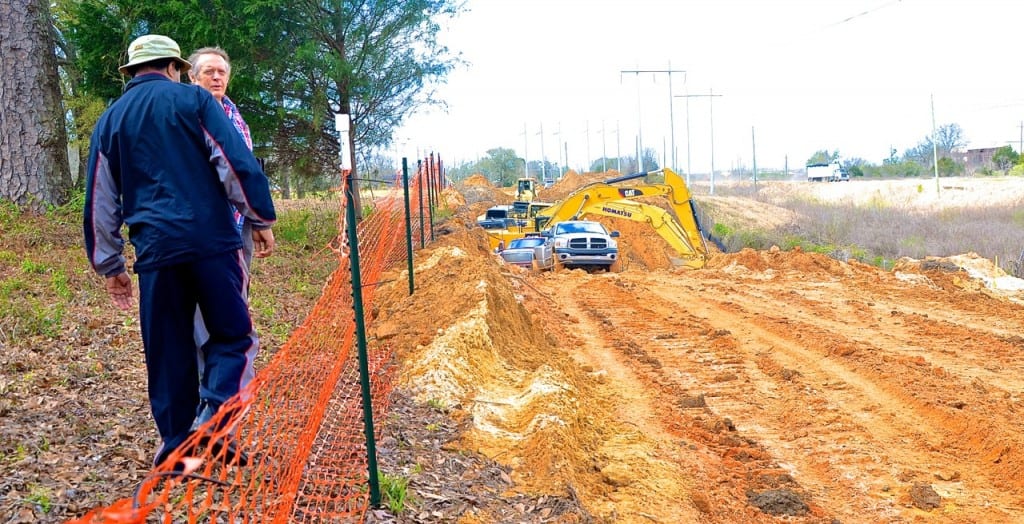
x: 148, y: 48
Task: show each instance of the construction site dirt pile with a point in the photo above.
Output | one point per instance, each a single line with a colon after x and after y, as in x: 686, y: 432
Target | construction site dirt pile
x: 768, y: 386
x: 570, y: 182
x: 477, y: 189
x: 477, y: 180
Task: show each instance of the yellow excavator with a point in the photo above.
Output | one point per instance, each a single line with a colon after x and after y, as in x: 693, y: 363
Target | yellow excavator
x: 680, y: 228
x: 693, y: 251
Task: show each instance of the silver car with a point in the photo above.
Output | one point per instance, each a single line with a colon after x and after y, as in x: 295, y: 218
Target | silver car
x: 533, y: 252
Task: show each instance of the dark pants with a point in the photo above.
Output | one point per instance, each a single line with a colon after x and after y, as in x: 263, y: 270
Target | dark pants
x: 168, y: 298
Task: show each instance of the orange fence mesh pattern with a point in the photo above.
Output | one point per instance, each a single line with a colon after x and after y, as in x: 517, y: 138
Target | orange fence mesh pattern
x: 300, y: 422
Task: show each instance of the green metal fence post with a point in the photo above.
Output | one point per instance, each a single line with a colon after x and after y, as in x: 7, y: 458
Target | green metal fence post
x: 408, y: 221
x: 421, y: 185
x: 431, y: 197
x: 364, y: 367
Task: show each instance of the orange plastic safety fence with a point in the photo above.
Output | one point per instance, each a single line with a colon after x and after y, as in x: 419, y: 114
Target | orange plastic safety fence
x: 299, y: 424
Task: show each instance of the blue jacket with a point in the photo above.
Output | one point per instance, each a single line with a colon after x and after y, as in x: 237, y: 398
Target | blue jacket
x: 166, y: 161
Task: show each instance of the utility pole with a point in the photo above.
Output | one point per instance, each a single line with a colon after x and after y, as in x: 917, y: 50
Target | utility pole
x: 526, y: 153
x: 604, y: 149
x: 753, y: 151
x: 639, y: 160
x: 543, y: 157
x: 711, y: 98
x: 563, y: 145
x: 688, y: 155
x: 589, y: 160
x: 664, y: 152
x: 671, y: 113
x: 559, y: 147
x: 935, y: 148
x: 618, y: 148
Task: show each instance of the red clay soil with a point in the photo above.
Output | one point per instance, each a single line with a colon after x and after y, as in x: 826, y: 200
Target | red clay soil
x: 767, y: 387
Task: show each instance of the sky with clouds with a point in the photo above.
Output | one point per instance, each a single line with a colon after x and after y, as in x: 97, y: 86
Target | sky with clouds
x: 789, y: 77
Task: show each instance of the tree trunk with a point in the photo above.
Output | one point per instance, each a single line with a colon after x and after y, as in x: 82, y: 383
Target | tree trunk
x: 34, y: 170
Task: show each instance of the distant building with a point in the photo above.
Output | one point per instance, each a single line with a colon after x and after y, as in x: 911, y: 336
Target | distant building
x: 975, y: 159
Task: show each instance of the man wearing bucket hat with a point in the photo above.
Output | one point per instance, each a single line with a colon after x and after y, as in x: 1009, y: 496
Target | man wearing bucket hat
x: 166, y: 161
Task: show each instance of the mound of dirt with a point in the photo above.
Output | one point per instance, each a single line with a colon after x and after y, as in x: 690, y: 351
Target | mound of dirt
x: 769, y: 384
x: 777, y: 260
x: 570, y: 182
x: 477, y: 180
x: 451, y: 198
x: 489, y: 194
x: 639, y: 245
x: 477, y: 188
x: 968, y: 271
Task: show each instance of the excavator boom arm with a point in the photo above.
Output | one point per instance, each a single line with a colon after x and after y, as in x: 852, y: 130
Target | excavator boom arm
x: 692, y: 251
x: 682, y: 231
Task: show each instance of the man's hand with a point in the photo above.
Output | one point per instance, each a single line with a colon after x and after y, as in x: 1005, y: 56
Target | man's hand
x: 119, y: 287
x: 263, y: 243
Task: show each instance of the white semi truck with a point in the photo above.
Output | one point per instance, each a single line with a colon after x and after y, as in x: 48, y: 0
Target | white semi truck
x: 830, y: 172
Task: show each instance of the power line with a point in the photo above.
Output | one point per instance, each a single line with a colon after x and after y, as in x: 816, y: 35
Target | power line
x: 863, y: 13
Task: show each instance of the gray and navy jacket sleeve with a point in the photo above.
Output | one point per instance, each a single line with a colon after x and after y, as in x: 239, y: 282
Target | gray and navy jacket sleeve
x: 102, y: 216
x: 244, y: 181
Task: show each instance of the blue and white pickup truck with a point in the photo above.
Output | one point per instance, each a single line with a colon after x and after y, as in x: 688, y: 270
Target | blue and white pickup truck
x: 584, y: 244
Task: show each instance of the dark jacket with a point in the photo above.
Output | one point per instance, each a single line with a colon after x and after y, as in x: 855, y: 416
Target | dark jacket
x: 167, y: 162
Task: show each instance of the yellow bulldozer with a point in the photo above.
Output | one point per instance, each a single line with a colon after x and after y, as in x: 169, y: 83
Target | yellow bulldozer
x: 526, y: 189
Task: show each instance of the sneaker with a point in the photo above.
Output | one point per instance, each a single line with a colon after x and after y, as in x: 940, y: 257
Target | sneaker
x: 223, y: 446
x: 227, y: 448
x: 205, y: 412
x: 163, y: 453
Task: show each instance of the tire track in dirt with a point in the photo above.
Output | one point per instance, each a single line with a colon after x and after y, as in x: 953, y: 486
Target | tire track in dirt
x: 859, y: 401
x: 976, y: 345
x: 860, y: 425
x: 671, y: 500
x: 958, y: 369
x: 726, y: 468
x: 979, y: 330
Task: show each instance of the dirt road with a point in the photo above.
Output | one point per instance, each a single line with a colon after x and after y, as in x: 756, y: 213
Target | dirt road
x: 767, y: 387
x: 862, y: 396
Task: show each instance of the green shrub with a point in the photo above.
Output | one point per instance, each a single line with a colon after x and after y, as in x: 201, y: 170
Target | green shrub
x: 306, y: 229
x: 721, y: 230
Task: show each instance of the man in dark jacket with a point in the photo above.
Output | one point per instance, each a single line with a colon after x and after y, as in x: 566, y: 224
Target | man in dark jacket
x: 166, y: 161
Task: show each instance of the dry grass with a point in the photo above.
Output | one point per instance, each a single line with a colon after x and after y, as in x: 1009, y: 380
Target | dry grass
x: 879, y: 221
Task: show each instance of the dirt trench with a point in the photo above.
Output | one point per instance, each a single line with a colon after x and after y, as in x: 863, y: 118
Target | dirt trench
x: 767, y: 387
